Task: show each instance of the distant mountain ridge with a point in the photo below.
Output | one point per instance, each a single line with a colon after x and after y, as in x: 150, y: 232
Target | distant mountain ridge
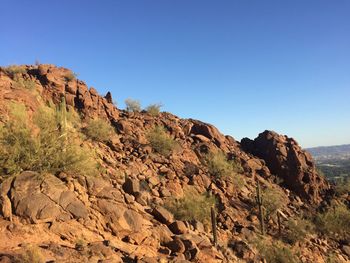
x: 330, y: 151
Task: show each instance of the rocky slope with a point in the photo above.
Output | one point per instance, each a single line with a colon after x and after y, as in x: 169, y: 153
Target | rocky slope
x: 118, y: 215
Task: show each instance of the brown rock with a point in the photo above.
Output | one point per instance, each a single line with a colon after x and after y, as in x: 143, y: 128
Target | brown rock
x: 286, y: 159
x: 176, y: 245
x: 131, y: 186
x: 178, y: 227
x: 163, y: 215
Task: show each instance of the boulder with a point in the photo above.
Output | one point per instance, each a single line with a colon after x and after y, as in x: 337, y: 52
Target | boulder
x: 162, y: 215
x: 286, y: 159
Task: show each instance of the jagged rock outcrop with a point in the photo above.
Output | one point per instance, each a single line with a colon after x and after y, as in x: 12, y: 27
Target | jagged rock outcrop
x: 286, y: 159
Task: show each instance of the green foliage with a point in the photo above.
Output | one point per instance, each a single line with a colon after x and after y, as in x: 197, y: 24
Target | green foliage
x: 276, y: 252
x: 32, y: 254
x: 99, y: 130
x: 161, y: 141
x: 46, y: 145
x: 335, y: 222
x: 14, y: 70
x: 154, y: 109
x: 192, y: 206
x: 132, y: 105
x: 273, y: 199
x: 297, y: 229
x: 24, y: 83
x: 342, y: 186
x: 219, y: 166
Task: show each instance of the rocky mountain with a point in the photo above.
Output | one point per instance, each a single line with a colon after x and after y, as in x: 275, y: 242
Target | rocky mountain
x: 145, y: 204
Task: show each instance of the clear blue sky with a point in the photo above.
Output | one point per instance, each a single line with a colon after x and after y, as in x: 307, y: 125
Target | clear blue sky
x: 244, y: 66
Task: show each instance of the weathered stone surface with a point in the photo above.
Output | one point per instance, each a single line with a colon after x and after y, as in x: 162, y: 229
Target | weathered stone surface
x: 178, y: 227
x: 163, y: 215
x: 131, y: 186
x: 286, y: 159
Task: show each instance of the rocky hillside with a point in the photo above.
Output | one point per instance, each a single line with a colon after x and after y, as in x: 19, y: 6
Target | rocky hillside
x: 156, y: 178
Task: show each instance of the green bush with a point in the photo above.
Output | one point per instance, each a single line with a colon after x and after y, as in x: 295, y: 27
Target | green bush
x: 335, y: 222
x: 161, y: 141
x: 192, y: 206
x: 154, y: 109
x: 342, y: 187
x: 32, y: 254
x: 14, y: 70
x: 275, y: 252
x: 99, y: 130
x: 273, y: 199
x: 24, y: 83
x: 46, y: 145
x: 297, y: 230
x: 132, y: 105
x: 219, y: 166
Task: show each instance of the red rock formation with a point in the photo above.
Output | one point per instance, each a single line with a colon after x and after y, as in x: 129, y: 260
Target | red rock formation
x: 286, y: 159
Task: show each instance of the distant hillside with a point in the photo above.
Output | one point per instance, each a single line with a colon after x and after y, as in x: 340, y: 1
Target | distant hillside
x: 333, y: 161
x: 328, y: 152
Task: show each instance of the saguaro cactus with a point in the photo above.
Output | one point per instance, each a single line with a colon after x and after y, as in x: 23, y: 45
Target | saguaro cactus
x: 259, y: 201
x: 213, y: 225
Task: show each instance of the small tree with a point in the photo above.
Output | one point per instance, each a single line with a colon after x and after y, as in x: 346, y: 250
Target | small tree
x: 192, y: 206
x: 99, y: 130
x: 273, y: 200
x: 154, y: 109
x: 161, y: 141
x: 41, y: 146
x: 132, y: 105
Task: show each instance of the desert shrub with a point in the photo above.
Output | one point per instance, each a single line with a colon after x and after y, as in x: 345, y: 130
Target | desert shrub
x: 133, y: 105
x: 32, y: 254
x: 273, y: 199
x: 80, y: 244
x: 69, y: 76
x: 154, y: 109
x: 99, y: 130
x: 342, y: 187
x: 192, y: 206
x: 13, y: 70
x: 161, y: 141
x: 46, y: 145
x: 335, y: 221
x: 24, y: 83
x: 332, y: 258
x: 275, y: 252
x: 219, y: 166
x: 297, y: 229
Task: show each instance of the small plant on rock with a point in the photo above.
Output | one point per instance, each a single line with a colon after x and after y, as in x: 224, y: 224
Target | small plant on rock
x: 192, y: 206
x: 220, y: 166
x: 297, y: 230
x: 154, y: 109
x: 335, y: 222
x: 70, y: 76
x: 46, y: 145
x: 132, y: 105
x: 161, y: 141
x: 274, y: 199
x: 32, y: 254
x: 14, y: 70
x: 275, y: 252
x: 99, y: 130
